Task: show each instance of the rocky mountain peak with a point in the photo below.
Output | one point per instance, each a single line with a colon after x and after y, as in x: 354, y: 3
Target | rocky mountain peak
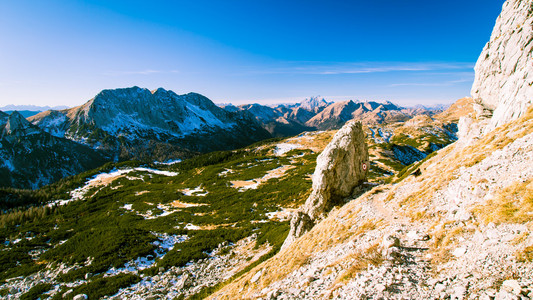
x: 16, y: 124
x: 503, y: 82
x: 314, y: 103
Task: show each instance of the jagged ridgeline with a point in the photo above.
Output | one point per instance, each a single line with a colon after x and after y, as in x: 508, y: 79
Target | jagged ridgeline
x: 138, y: 123
x: 117, y: 125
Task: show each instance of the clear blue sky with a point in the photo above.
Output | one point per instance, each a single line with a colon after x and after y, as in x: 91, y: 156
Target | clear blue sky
x: 408, y: 51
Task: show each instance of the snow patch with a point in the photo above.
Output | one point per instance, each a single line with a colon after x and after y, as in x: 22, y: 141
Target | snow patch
x: 285, y: 147
x: 190, y: 226
x: 164, y: 243
x: 197, y: 191
x: 104, y: 179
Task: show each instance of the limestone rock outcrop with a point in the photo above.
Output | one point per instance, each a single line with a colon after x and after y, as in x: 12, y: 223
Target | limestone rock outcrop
x: 341, y: 168
x: 504, y: 71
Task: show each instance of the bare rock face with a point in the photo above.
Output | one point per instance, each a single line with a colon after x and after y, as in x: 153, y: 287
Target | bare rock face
x: 340, y: 169
x: 504, y: 73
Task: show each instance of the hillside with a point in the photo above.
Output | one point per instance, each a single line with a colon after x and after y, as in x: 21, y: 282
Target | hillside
x: 457, y: 229
x: 31, y: 158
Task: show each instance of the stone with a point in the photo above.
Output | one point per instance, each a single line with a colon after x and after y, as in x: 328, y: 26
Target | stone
x: 390, y: 241
x: 512, y: 286
x: 440, y: 287
x: 80, y: 297
x: 459, y: 292
x: 256, y: 276
x: 504, y: 295
x: 503, y: 80
x: 380, y: 288
x: 458, y: 252
x: 340, y: 169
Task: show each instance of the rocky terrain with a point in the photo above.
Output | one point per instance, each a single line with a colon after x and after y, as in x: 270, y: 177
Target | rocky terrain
x: 331, y: 183
x: 445, y: 212
x: 504, y: 81
x: 181, y: 204
x: 456, y: 225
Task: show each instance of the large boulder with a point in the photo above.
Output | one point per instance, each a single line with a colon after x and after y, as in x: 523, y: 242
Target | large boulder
x: 341, y: 168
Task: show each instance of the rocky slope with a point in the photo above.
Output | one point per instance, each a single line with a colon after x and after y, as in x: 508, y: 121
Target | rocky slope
x: 30, y: 157
x: 138, y: 123
x: 460, y: 229
x: 455, y: 226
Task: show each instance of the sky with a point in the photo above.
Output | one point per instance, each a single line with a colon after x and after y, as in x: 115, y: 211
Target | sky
x: 406, y: 51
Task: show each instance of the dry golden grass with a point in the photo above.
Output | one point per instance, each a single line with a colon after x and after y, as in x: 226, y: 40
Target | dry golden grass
x: 360, y: 262
x: 513, y: 204
x: 442, y: 168
x: 445, y: 237
x: 460, y: 108
x: 322, y: 237
x: 179, y: 204
x: 525, y: 255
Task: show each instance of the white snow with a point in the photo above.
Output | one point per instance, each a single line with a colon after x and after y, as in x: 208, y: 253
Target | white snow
x: 158, y: 172
x: 168, y: 162
x: 127, y: 206
x: 9, y: 165
x: 285, y: 147
x: 197, y: 191
x: 191, y: 227
x: 102, y: 178
x: 226, y: 172
x: 164, y: 243
x: 162, y: 207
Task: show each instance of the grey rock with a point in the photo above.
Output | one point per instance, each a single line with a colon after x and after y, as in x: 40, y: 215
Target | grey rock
x: 504, y: 75
x: 341, y: 168
x: 511, y: 286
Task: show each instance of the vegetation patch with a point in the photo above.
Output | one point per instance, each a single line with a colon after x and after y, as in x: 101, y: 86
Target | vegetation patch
x: 514, y: 204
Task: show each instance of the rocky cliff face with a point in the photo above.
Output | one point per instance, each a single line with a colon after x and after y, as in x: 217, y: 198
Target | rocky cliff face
x: 504, y: 70
x: 341, y: 168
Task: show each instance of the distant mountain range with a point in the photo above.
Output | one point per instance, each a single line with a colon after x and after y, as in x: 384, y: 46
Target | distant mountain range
x: 318, y: 114
x: 139, y: 124
x: 117, y: 125
x: 12, y: 107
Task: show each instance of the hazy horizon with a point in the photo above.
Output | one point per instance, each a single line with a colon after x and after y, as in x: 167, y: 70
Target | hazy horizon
x: 65, y: 52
